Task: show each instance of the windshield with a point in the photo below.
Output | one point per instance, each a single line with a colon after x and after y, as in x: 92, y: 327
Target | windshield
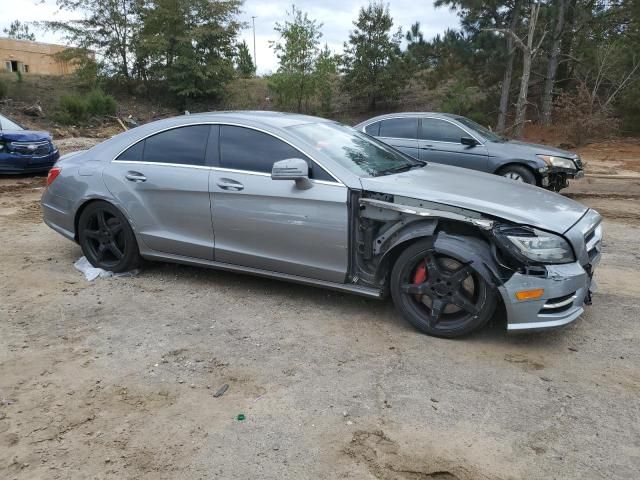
x: 6, y: 124
x: 357, y: 152
x: 485, y: 132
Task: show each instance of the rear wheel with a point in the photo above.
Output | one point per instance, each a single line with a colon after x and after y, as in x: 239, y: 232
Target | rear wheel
x: 106, y: 238
x: 518, y: 173
x: 441, y: 294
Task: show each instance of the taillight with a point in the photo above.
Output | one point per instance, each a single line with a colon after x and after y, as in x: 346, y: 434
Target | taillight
x: 53, y: 174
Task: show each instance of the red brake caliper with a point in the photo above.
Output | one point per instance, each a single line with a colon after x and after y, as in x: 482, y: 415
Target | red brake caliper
x: 420, y: 276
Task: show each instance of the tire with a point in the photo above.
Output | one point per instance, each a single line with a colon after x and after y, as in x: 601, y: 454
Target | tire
x: 518, y: 173
x: 452, y: 297
x: 106, y: 238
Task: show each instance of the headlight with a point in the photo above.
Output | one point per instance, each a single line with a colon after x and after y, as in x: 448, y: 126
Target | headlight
x: 560, y: 162
x: 537, y: 245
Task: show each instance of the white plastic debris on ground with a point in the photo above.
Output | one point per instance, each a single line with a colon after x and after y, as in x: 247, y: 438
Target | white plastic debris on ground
x: 91, y: 273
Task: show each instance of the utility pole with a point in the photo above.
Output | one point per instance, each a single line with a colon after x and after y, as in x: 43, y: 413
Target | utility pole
x: 255, y: 60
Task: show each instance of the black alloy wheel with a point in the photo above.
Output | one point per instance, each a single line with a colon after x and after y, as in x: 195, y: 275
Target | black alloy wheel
x: 106, y: 238
x: 439, y: 294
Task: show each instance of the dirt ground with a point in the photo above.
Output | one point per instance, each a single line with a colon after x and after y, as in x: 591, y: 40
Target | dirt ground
x: 116, y: 378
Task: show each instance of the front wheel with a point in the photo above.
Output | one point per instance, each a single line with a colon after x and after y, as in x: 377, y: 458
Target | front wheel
x: 519, y: 174
x: 441, y: 294
x: 106, y: 238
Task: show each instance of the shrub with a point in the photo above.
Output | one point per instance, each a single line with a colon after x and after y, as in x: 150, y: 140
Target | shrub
x: 100, y: 104
x: 4, y: 89
x: 582, y: 119
x: 72, y: 109
x: 77, y: 109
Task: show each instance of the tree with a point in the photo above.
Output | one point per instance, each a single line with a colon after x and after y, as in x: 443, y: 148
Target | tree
x: 297, y: 50
x: 108, y: 27
x: 190, y: 45
x: 244, y: 62
x: 553, y: 60
x: 19, y: 31
x: 373, y: 66
x: 325, y: 74
x: 477, y: 17
x: 528, y: 54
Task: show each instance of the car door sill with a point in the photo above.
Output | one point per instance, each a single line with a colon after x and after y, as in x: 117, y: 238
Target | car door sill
x: 344, y: 287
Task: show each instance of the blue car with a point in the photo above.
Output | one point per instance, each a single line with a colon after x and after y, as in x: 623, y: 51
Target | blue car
x: 25, y: 151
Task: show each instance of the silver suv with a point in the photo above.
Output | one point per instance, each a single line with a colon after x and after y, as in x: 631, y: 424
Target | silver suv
x: 461, y: 142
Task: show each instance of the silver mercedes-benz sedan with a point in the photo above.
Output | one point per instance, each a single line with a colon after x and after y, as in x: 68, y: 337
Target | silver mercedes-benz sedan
x: 309, y: 200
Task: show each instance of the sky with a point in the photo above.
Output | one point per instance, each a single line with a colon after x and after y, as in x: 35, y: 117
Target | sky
x: 337, y: 17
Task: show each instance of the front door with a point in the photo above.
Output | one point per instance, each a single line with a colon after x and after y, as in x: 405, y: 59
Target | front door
x: 162, y: 183
x: 271, y: 224
x: 439, y: 142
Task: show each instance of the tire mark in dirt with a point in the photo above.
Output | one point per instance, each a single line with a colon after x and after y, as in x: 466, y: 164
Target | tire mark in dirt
x: 381, y: 456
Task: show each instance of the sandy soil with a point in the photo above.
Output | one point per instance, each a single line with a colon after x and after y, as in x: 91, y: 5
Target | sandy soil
x: 115, y: 378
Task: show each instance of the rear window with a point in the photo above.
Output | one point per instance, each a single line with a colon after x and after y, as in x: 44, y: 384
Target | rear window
x: 373, y: 129
x: 182, y: 145
x: 399, y: 128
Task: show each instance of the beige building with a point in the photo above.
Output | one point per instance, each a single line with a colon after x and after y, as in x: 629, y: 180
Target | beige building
x: 25, y: 56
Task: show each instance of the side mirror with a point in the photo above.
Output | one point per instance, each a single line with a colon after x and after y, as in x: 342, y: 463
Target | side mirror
x: 295, y: 169
x: 468, y: 141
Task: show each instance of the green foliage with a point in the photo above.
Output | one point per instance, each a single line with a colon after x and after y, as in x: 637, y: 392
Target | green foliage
x: 87, y: 68
x: 297, y: 50
x: 373, y: 65
x: 190, y: 45
x: 462, y: 97
x: 100, y: 104
x: 244, y: 62
x: 326, y: 77
x: 108, y: 27
x: 19, y: 31
x: 72, y: 110
x: 78, y: 109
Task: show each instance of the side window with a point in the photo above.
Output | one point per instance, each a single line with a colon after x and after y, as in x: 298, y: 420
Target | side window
x: 373, y: 129
x: 183, y: 145
x: 440, y: 131
x: 399, y: 128
x: 133, y: 153
x: 247, y: 149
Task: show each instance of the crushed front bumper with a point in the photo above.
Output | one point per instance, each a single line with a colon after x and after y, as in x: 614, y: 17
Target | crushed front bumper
x: 566, y: 287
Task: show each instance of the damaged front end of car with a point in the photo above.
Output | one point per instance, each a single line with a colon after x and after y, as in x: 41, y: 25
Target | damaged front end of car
x: 543, y: 278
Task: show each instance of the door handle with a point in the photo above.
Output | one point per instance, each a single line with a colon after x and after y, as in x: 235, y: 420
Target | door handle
x: 426, y: 147
x: 229, y: 184
x: 135, y: 177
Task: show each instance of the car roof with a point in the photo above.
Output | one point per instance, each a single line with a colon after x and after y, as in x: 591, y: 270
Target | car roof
x: 408, y: 115
x: 275, y: 119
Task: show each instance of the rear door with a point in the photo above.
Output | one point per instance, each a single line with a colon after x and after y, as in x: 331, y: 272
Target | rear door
x: 271, y: 224
x: 439, y: 142
x: 162, y: 182
x: 401, y: 133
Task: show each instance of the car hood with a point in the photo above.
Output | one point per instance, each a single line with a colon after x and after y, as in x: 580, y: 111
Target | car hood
x: 488, y: 194
x: 24, y: 135
x: 526, y: 150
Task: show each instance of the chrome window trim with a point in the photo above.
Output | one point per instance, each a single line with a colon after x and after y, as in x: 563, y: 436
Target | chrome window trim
x: 222, y: 123
x: 420, y: 117
x: 165, y: 164
x: 218, y: 169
